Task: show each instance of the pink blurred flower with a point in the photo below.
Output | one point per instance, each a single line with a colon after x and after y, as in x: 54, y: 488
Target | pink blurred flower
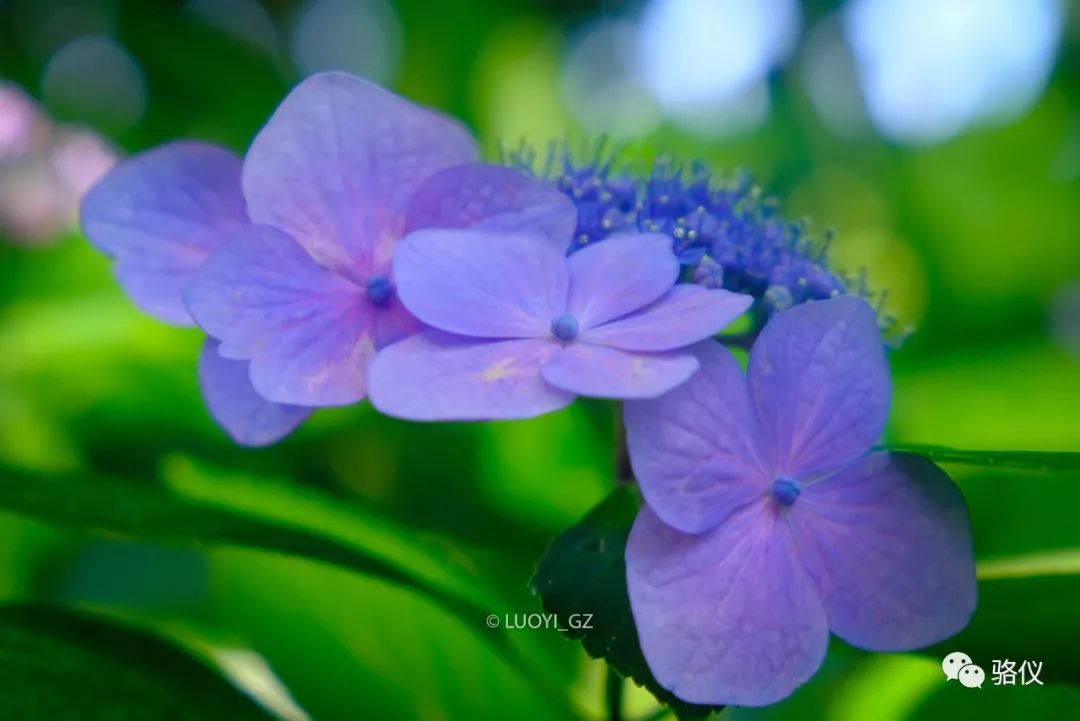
x: 44, y: 169
x: 22, y: 125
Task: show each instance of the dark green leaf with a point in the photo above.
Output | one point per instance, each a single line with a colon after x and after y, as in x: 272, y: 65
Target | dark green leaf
x: 149, y: 512
x: 65, y: 666
x: 208, y: 507
x: 1023, y: 618
x: 1028, y: 564
x: 583, y: 572
x: 1031, y: 460
x: 441, y: 569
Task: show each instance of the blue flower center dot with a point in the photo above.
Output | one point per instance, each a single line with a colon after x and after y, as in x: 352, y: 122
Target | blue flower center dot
x: 785, y: 490
x: 564, y: 327
x: 379, y: 289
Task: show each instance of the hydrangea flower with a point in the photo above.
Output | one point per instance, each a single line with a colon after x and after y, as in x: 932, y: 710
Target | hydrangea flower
x: 284, y: 258
x: 769, y: 521
x: 520, y: 329
x: 726, y: 233
x: 159, y: 215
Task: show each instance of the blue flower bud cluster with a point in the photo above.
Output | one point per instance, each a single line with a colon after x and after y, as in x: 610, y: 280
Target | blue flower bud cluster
x: 726, y: 232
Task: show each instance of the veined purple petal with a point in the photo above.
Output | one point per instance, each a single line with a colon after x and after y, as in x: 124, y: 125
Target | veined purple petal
x: 436, y: 376
x: 726, y: 617
x: 601, y: 372
x: 625, y: 272
x: 481, y: 283
x: 247, y: 417
x: 821, y: 385
x: 889, y: 543
x: 306, y: 331
x: 685, y: 315
x: 159, y: 214
x: 337, y: 164
x: 493, y: 197
x: 696, y: 451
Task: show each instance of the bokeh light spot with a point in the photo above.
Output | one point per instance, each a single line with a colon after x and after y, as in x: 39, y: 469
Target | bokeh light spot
x: 79, y: 159
x: 600, y: 85
x: 362, y: 37
x: 929, y: 68
x: 730, y: 117
x: 95, y: 81
x: 828, y: 71
x: 696, y: 53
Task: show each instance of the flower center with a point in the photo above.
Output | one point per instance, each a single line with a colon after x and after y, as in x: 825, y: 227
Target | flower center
x: 379, y: 289
x: 564, y: 327
x: 785, y: 490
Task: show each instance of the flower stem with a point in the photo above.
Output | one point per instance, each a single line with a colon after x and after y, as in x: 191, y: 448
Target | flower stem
x: 613, y: 695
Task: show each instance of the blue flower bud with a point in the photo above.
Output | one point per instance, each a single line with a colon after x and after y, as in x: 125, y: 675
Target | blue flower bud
x: 379, y: 289
x: 564, y: 327
x: 786, y: 490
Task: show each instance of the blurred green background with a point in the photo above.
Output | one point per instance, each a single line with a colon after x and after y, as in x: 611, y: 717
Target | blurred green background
x: 941, y: 140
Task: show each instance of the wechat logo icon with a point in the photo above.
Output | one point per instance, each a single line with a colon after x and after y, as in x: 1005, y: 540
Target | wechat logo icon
x: 958, y: 667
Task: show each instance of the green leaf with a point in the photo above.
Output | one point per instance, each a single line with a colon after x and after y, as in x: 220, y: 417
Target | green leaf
x: 583, y: 572
x: 1028, y: 567
x: 66, y: 666
x: 353, y: 647
x: 1064, y: 562
x: 441, y: 569
x: 1023, y: 618
x: 1030, y: 460
x: 209, y: 507
x: 149, y: 512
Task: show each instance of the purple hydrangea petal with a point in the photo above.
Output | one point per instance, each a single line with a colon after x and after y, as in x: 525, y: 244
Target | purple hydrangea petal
x: 247, y: 417
x: 392, y: 322
x: 339, y: 160
x: 481, y: 283
x: 594, y: 370
x: 726, y: 617
x: 306, y: 331
x: 436, y: 376
x: 159, y: 214
x: 622, y: 274
x: 696, y: 452
x: 821, y: 385
x: 685, y: 315
x: 493, y: 197
x: 889, y: 541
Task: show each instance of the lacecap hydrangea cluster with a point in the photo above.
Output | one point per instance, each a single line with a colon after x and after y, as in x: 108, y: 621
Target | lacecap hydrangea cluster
x: 726, y: 233
x: 359, y: 250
